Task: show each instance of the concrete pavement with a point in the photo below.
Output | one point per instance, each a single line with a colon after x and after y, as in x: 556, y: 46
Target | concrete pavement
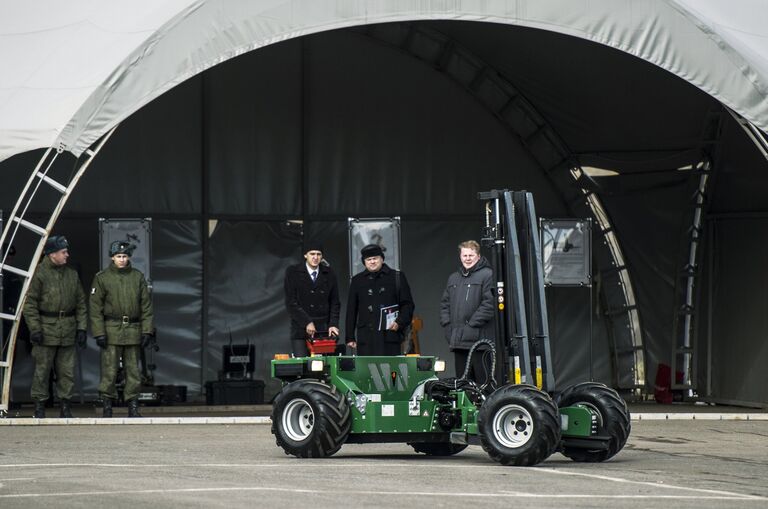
x: 666, y: 463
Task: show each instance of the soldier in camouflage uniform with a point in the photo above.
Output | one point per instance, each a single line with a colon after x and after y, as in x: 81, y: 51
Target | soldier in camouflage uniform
x: 56, y: 315
x: 121, y: 323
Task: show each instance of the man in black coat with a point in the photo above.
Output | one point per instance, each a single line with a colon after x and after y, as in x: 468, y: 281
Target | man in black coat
x: 467, y: 310
x: 380, y: 306
x: 312, y: 298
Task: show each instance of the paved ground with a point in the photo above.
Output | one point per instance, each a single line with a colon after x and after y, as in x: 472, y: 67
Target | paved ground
x: 667, y: 463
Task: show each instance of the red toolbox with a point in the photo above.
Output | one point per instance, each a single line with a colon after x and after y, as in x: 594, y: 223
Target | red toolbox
x: 321, y: 345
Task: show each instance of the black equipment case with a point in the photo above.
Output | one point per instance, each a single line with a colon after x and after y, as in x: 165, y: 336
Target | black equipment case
x: 234, y: 392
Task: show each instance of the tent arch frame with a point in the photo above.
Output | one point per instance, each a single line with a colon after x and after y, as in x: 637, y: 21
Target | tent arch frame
x: 16, y: 221
x: 508, y: 105
x: 90, y: 122
x: 535, y: 135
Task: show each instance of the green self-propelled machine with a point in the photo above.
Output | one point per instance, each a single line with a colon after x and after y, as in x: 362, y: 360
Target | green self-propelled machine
x: 327, y: 400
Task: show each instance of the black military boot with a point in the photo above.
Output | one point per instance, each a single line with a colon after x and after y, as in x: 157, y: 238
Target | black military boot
x: 133, y: 408
x: 107, y: 409
x: 66, y: 410
x: 39, y: 410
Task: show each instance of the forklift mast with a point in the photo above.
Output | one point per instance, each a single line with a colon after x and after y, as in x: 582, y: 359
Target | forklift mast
x: 511, y: 234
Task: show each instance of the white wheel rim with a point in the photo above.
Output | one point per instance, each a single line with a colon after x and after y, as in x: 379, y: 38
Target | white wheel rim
x: 298, y: 420
x: 513, y: 426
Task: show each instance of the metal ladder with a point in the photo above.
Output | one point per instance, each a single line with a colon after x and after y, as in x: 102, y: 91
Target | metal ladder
x: 683, y: 357
x: 16, y: 221
x: 687, y: 288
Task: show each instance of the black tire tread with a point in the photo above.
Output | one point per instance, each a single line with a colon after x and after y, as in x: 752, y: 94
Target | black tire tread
x: 616, y: 419
x: 333, y: 419
x: 546, y: 422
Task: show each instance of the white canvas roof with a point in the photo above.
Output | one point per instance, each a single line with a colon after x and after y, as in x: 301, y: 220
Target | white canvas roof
x: 70, y: 71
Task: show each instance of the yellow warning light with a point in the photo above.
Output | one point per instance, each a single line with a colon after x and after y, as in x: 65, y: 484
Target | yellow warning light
x: 501, y: 305
x: 282, y: 356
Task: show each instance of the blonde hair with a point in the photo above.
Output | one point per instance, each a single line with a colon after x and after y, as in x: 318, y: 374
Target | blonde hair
x: 470, y: 244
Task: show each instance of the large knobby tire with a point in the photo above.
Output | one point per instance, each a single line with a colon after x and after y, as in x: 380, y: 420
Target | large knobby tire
x: 310, y: 419
x: 519, y: 425
x: 613, y: 418
x: 438, y: 448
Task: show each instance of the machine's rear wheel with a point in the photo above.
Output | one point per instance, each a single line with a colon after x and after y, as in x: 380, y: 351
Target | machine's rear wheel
x: 519, y: 425
x: 310, y: 419
x: 612, y: 414
x: 438, y: 448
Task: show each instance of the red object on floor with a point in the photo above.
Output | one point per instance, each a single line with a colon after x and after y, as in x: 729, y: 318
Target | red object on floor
x: 663, y: 392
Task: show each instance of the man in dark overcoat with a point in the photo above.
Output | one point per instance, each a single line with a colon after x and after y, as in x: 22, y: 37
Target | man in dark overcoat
x: 380, y: 306
x: 312, y: 298
x: 467, y: 310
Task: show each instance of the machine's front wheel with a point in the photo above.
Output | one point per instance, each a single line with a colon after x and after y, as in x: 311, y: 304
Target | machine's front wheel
x: 310, y: 419
x: 438, y: 448
x: 612, y: 415
x: 519, y: 425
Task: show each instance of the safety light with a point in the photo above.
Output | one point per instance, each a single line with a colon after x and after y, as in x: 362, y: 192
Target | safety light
x: 316, y: 366
x: 282, y: 356
x: 439, y: 365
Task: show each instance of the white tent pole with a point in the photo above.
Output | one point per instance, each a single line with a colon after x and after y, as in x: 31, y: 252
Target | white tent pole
x: 757, y: 136
x: 6, y: 364
x: 20, y: 200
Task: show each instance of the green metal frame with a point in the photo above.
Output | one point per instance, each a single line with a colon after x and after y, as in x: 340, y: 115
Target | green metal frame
x: 386, y: 396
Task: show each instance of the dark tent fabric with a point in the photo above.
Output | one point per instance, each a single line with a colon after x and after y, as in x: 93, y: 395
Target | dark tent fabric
x: 339, y: 124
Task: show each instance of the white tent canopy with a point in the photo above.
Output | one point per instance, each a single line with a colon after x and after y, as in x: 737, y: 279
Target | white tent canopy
x: 73, y: 70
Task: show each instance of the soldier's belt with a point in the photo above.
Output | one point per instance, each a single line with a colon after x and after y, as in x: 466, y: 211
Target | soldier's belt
x: 58, y: 314
x: 123, y: 319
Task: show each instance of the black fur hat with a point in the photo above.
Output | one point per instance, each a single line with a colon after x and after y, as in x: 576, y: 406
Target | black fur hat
x: 371, y: 250
x: 313, y: 245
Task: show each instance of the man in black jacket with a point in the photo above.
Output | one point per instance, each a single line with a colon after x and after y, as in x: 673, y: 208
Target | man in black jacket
x: 380, y: 306
x: 312, y: 298
x: 467, y: 309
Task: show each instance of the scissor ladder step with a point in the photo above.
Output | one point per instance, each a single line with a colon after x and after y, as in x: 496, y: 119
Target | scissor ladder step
x: 35, y: 181
x: 30, y: 226
x: 48, y: 180
x: 14, y: 270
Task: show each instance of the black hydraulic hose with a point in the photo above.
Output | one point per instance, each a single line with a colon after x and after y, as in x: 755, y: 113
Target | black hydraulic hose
x: 493, y: 361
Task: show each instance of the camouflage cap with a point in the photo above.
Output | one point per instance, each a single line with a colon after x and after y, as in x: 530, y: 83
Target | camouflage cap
x: 121, y: 247
x: 55, y: 243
